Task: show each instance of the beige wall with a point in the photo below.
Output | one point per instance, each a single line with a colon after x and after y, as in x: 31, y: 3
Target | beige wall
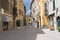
x: 7, y: 7
x: 27, y: 19
x: 20, y: 8
x: 44, y: 19
x: 39, y: 7
x: 20, y: 11
x: 1, y: 22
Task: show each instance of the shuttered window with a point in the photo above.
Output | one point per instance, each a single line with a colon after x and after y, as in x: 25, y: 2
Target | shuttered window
x: 53, y: 4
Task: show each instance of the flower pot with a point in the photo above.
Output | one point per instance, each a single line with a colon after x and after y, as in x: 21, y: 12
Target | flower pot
x: 51, y: 27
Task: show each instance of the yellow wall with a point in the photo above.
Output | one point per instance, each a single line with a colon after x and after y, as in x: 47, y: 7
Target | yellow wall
x: 44, y: 0
x: 44, y: 20
x: 27, y: 19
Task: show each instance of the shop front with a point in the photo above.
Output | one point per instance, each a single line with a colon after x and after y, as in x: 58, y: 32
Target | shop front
x: 19, y: 22
x: 51, y: 22
x: 5, y: 26
x: 7, y: 22
x: 58, y: 23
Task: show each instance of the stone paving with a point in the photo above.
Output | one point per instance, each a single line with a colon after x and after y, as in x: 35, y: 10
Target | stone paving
x: 30, y: 33
x: 49, y: 35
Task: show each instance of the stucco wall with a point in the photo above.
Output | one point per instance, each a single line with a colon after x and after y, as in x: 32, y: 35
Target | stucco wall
x: 1, y: 22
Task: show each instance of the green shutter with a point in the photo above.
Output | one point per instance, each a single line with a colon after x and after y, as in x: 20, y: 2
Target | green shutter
x: 53, y: 4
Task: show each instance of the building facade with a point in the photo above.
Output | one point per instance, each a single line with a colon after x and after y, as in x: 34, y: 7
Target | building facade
x: 53, y: 7
x: 6, y: 15
x: 39, y: 12
x: 34, y: 12
x: 1, y: 21
x: 44, y: 12
x: 20, y: 12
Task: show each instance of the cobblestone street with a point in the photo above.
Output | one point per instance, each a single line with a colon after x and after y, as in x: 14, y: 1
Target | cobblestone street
x: 29, y: 33
x: 29, y: 19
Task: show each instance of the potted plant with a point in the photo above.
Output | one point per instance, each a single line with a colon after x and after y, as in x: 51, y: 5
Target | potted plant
x: 51, y: 27
x: 59, y: 29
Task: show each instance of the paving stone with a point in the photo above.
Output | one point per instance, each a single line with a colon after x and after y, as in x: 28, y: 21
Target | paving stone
x: 30, y: 33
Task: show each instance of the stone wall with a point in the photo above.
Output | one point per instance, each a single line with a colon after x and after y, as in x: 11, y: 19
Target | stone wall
x: 1, y: 22
x: 10, y: 25
x: 10, y: 22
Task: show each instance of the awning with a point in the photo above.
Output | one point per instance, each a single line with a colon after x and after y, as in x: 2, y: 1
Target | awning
x: 51, y: 15
x: 6, y: 18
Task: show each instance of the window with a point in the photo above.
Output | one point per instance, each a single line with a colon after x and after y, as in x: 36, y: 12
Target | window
x: 57, y: 10
x: 20, y: 12
x: 33, y: 10
x: 0, y: 2
x: 45, y: 8
x: 50, y: 0
x: 21, y: 1
x: 53, y: 4
x: 33, y: 19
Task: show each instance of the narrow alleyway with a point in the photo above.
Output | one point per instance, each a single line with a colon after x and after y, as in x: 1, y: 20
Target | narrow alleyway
x: 30, y: 33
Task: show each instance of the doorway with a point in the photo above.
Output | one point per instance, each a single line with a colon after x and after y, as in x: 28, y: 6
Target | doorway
x: 5, y: 26
x: 58, y: 21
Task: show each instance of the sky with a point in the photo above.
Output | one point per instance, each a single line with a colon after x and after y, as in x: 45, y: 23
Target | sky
x: 27, y: 4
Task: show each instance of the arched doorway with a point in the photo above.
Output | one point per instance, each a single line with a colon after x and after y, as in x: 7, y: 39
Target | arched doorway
x: 5, y: 26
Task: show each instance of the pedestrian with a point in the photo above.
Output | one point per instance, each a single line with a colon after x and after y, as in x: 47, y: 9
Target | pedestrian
x: 37, y: 24
x: 18, y: 24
